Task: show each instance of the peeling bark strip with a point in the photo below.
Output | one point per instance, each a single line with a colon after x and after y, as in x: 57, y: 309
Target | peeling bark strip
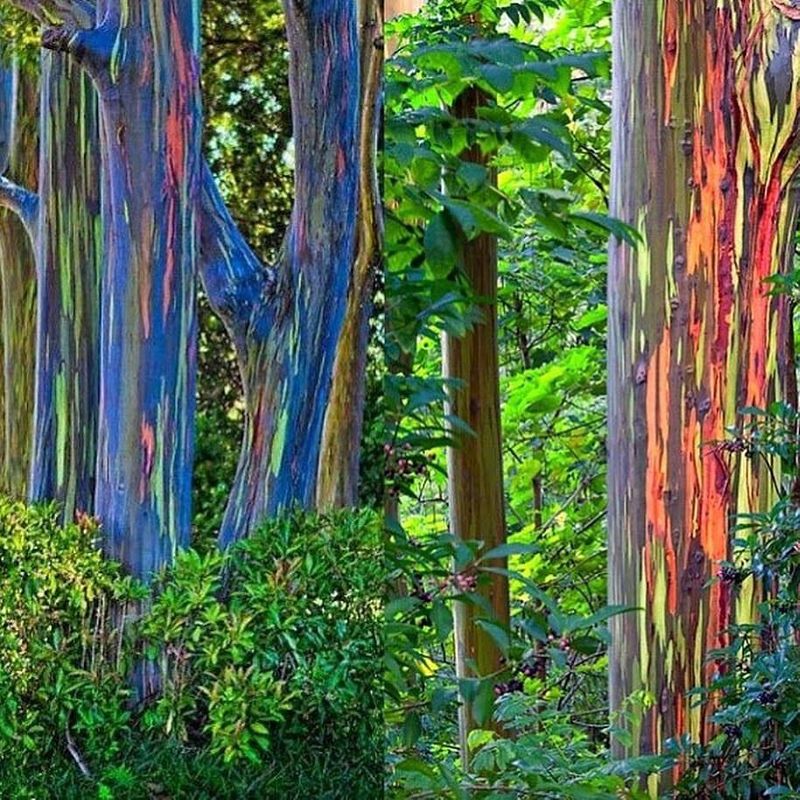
x: 69, y: 255
x: 18, y: 161
x: 706, y: 103
x: 291, y: 325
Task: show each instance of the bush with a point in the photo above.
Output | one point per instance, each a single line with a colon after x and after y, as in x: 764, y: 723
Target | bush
x: 269, y: 658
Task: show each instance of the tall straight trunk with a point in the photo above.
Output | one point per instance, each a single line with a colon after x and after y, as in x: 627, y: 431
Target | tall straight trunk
x: 338, y: 463
x: 69, y: 257
x: 291, y: 325
x: 143, y: 56
x: 706, y: 103
x: 18, y: 110
x: 475, y: 465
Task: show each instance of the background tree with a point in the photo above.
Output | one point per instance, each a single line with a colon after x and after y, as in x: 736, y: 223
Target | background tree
x: 19, y: 165
x: 539, y: 108
x: 705, y: 125
x: 69, y: 250
x: 476, y: 495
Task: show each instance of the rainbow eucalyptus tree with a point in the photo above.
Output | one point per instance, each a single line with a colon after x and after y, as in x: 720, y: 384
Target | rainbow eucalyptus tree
x: 299, y: 327
x: 18, y: 165
x: 706, y: 116
x: 63, y: 221
x: 143, y: 57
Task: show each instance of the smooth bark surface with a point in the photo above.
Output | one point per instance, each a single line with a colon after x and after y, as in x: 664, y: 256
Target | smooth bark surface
x: 706, y: 101
x: 475, y: 465
x: 145, y: 60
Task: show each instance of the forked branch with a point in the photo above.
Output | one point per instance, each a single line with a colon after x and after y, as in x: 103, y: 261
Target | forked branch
x: 24, y: 203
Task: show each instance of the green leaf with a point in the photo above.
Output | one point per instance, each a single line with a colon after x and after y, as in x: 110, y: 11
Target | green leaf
x: 593, y: 221
x: 412, y: 729
x: 441, y: 245
x: 473, y: 175
x: 511, y: 549
x: 497, y: 632
x: 498, y: 76
x: 483, y: 704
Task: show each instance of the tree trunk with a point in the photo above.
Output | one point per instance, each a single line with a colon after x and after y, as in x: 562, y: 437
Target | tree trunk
x: 144, y: 58
x: 69, y: 257
x: 475, y: 465
x: 338, y: 471
x: 299, y: 329
x: 18, y: 110
x: 706, y: 100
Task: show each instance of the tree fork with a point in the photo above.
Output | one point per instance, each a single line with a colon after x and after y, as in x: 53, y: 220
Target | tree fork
x: 290, y: 324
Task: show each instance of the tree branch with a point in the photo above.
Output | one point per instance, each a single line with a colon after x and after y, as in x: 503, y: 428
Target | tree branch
x: 70, y: 26
x: 91, y: 47
x: 235, y: 279
x: 23, y: 203
x: 52, y: 13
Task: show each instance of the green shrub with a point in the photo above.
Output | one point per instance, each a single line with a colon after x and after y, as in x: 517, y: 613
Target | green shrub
x: 61, y: 666
x: 293, y: 648
x: 269, y: 657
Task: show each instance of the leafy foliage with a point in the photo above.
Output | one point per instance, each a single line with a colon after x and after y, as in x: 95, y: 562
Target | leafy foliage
x: 269, y: 660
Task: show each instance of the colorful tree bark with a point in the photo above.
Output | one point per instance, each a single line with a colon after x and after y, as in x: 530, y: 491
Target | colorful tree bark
x: 69, y: 257
x: 338, y: 470
x: 143, y: 56
x: 475, y: 464
x: 301, y: 324
x: 706, y: 102
x: 18, y: 113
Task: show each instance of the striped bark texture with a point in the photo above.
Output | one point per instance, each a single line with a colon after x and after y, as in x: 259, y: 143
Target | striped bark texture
x: 706, y: 105
x: 143, y: 56
x: 68, y: 265
x: 18, y: 118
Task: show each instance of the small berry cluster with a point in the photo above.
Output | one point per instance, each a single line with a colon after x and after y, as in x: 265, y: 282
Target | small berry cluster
x: 534, y: 668
x: 461, y: 582
x: 421, y: 593
x: 401, y: 465
x: 562, y: 643
x: 464, y: 582
x: 732, y: 731
x: 736, y: 445
x: 511, y: 687
x: 729, y: 575
x: 767, y: 696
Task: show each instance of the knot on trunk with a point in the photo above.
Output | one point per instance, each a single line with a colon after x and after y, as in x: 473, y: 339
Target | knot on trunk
x: 58, y: 38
